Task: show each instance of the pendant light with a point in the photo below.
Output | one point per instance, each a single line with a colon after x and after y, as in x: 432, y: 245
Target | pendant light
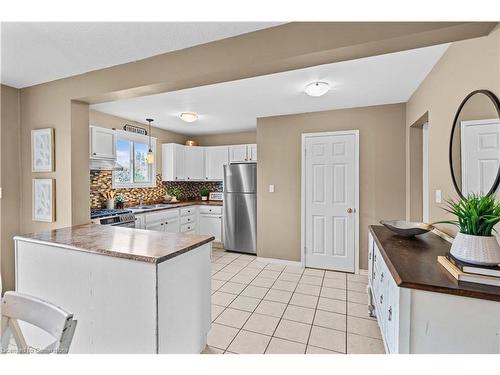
x: 150, y: 157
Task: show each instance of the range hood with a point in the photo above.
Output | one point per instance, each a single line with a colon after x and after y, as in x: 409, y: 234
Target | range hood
x: 104, y: 165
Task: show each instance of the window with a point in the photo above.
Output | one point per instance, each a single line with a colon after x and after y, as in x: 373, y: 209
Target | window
x: 131, y: 153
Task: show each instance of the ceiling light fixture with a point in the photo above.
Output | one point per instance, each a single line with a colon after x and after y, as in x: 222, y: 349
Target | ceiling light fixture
x: 150, y: 157
x: 188, y: 116
x: 317, y: 88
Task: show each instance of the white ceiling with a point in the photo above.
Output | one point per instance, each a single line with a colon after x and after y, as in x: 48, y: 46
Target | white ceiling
x: 33, y: 53
x: 235, y: 106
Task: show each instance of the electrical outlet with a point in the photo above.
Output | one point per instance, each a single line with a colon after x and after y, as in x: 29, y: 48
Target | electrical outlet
x: 271, y: 188
x: 438, y: 196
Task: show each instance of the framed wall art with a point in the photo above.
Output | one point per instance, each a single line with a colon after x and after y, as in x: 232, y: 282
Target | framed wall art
x: 43, y: 202
x: 42, y: 150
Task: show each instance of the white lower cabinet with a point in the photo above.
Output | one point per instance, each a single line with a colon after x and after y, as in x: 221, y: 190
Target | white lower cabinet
x: 210, y: 221
x: 202, y: 219
x: 425, y: 322
x: 211, y: 225
x: 162, y: 221
x: 385, y: 298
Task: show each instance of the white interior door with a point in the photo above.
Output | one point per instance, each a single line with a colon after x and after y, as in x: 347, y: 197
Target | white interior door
x: 480, y: 153
x: 330, y: 200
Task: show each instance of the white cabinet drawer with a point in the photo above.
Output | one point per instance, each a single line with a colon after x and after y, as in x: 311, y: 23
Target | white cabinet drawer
x: 157, y: 217
x: 216, y: 210
x: 386, y: 300
x: 188, y: 219
x: 188, y: 227
x: 191, y: 210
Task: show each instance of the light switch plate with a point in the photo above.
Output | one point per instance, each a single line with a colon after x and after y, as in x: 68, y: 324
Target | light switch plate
x: 271, y: 188
x: 438, y: 196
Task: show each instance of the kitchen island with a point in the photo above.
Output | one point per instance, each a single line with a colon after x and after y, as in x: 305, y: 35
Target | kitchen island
x: 131, y: 290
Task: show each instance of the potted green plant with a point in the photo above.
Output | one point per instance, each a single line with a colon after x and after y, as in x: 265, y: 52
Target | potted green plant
x: 204, y: 193
x: 175, y: 192
x: 476, y: 216
x: 119, y: 201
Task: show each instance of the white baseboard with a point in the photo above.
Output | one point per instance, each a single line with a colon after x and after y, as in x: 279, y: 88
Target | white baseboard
x: 280, y: 261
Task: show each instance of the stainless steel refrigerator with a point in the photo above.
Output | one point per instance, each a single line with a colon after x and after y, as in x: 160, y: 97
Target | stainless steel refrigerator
x: 240, y: 207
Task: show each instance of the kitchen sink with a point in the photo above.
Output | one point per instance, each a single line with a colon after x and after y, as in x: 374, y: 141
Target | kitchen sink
x: 150, y: 206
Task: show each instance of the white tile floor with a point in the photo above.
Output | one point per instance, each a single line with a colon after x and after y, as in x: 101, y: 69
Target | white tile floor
x: 261, y: 307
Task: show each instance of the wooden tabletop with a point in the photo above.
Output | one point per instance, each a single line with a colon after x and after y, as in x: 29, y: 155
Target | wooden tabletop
x: 413, y: 264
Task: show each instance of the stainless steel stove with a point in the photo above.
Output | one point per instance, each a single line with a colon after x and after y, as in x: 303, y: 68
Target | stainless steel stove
x: 118, y: 218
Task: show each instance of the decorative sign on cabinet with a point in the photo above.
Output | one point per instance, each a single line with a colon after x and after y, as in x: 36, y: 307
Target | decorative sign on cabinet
x: 196, y: 163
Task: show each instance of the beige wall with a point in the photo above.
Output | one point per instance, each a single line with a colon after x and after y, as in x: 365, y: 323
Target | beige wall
x: 9, y: 181
x: 285, y: 47
x: 162, y: 136
x: 226, y: 139
x: 382, y: 172
x: 466, y: 66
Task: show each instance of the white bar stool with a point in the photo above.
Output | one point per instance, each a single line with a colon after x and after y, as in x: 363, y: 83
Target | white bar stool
x: 58, y: 323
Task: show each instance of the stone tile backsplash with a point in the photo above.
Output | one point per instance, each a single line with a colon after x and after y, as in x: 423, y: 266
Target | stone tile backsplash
x: 102, y: 181
x: 191, y: 189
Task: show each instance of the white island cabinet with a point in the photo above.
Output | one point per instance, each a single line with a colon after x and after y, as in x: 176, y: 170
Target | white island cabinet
x: 131, y: 290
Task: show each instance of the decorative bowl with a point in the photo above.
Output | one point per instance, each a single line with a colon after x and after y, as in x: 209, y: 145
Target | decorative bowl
x: 406, y: 228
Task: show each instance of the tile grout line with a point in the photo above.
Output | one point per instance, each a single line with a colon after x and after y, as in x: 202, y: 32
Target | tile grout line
x: 315, y: 309
x: 281, y: 318
x: 346, y: 310
x: 287, y: 304
x: 240, y: 329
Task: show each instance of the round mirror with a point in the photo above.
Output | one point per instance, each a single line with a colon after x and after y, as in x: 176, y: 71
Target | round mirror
x: 475, y: 144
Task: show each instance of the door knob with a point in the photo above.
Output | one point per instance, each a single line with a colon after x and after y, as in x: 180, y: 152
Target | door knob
x: 349, y: 210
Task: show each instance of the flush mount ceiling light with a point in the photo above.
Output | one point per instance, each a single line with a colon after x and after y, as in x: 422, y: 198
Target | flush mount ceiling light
x: 188, y: 116
x: 317, y: 88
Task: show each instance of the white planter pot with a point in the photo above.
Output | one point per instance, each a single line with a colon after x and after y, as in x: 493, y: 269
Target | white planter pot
x: 204, y: 198
x: 479, y: 250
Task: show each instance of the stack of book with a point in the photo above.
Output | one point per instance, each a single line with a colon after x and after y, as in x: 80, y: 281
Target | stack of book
x: 471, y: 273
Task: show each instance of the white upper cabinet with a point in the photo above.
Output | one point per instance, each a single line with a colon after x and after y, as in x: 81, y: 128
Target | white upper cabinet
x: 102, y: 143
x: 194, y: 162
x: 215, y: 159
x: 238, y: 153
x: 252, y: 152
x: 173, y: 162
x: 242, y: 153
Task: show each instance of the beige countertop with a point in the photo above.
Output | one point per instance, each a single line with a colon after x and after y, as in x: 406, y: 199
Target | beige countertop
x: 134, y: 244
